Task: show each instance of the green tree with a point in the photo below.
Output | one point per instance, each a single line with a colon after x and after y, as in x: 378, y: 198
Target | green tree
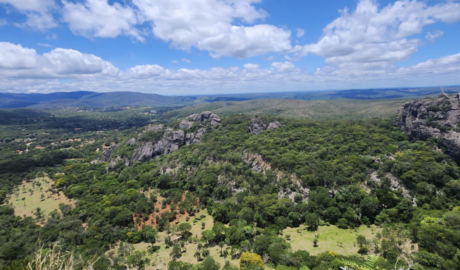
x: 176, y: 252
x: 250, y: 259
x: 312, y: 221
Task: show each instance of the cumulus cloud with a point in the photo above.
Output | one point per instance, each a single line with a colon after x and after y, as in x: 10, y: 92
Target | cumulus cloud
x: 433, y: 36
x: 442, y: 66
x: 209, y: 25
x: 186, y: 61
x: 222, y: 27
x: 97, y: 18
x: 43, y: 73
x: 17, y: 61
x: 376, y: 36
x: 38, y: 13
x: 283, y: 67
x: 145, y: 71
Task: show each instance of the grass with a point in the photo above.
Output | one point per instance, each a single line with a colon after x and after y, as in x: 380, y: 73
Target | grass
x: 28, y: 197
x: 161, y: 258
x: 331, y: 238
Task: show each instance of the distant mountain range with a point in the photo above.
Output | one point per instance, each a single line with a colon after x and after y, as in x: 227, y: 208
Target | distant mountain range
x: 114, y: 99
x: 89, y: 99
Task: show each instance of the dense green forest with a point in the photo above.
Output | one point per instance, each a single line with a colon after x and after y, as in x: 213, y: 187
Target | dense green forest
x: 306, y: 175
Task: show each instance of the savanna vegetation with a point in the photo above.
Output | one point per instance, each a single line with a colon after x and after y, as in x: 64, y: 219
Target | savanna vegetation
x: 309, y: 195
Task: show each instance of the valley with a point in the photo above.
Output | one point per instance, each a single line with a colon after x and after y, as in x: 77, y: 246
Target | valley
x: 259, y: 184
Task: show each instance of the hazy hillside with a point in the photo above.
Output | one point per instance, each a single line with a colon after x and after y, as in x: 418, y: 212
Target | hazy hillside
x: 317, y: 109
x: 115, y: 99
x: 89, y: 99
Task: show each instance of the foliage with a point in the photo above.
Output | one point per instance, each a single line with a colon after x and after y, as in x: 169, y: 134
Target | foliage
x: 250, y: 259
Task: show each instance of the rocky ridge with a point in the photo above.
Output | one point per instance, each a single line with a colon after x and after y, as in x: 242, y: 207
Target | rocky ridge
x: 169, y: 139
x: 433, y: 117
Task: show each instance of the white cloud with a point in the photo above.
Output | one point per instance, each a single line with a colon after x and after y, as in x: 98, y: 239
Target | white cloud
x: 38, y: 13
x: 378, y: 37
x: 441, y: 66
x: 43, y: 73
x: 283, y: 67
x: 3, y: 22
x: 97, y: 18
x: 251, y: 66
x: 209, y: 25
x: 175, y: 62
x: 17, y: 61
x: 186, y: 61
x: 145, y: 71
x: 300, y: 32
x: 433, y: 36
x: 222, y: 27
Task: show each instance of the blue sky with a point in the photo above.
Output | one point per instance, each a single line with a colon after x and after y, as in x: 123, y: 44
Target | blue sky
x: 177, y: 47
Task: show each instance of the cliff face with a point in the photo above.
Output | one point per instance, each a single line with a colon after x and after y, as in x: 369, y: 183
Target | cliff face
x: 438, y: 117
x: 156, y: 140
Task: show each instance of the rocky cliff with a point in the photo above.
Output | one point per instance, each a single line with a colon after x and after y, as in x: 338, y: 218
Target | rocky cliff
x: 433, y: 117
x: 157, y: 140
x: 257, y: 125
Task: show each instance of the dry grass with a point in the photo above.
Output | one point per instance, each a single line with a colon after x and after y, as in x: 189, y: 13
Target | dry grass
x: 29, y: 198
x: 331, y: 238
x: 161, y: 258
x: 54, y: 259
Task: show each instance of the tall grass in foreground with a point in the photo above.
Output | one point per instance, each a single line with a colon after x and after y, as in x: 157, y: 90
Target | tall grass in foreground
x: 55, y: 259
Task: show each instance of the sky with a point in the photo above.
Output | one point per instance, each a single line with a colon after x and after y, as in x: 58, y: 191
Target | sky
x: 189, y: 47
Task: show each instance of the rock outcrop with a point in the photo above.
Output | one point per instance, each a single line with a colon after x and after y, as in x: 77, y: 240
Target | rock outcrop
x: 438, y: 117
x: 107, y: 153
x: 205, y: 116
x: 257, y: 126
x: 172, y: 139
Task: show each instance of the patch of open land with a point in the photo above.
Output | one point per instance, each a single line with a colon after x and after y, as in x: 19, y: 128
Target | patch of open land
x: 35, y: 194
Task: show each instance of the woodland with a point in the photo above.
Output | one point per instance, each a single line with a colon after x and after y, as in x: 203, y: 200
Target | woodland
x: 257, y: 193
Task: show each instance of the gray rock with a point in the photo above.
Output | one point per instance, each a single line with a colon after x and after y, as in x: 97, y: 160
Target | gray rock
x: 131, y: 142
x: 172, y: 139
x: 206, y: 116
x: 427, y: 118
x: 186, y: 124
x: 195, y: 137
x: 256, y: 126
x: 274, y: 125
x: 154, y: 128
x: 107, y: 153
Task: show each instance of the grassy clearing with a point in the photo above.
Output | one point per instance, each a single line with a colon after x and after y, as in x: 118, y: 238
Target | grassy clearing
x: 161, y: 258
x: 34, y: 194
x: 331, y: 238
